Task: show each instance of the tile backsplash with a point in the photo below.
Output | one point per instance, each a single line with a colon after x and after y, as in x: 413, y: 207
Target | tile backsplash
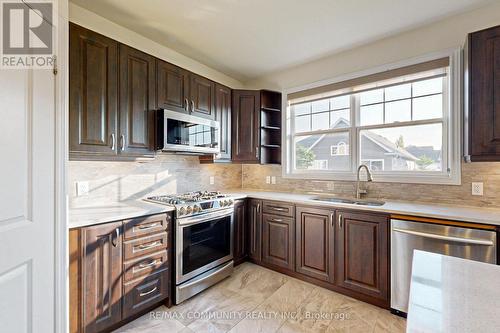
x: 254, y: 177
x: 167, y: 174
x: 120, y: 181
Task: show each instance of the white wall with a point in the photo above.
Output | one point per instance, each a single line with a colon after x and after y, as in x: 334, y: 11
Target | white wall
x: 92, y: 21
x: 445, y: 34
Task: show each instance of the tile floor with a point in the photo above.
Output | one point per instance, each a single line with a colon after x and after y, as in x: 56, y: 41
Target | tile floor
x: 255, y: 299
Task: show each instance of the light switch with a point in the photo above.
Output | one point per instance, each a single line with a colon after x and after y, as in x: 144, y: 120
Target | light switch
x: 82, y: 188
x: 477, y: 188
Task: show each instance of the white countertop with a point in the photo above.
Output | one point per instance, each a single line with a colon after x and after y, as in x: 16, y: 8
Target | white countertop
x: 89, y: 215
x: 450, y: 294
x: 447, y: 212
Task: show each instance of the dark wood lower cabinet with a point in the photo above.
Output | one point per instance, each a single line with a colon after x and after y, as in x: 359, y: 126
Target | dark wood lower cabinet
x: 255, y: 230
x: 315, y: 243
x: 102, y: 276
x: 110, y: 283
x: 240, y: 232
x: 362, y: 247
x: 278, y: 241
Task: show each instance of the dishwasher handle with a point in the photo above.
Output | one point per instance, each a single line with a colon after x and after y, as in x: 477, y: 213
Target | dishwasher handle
x: 446, y: 238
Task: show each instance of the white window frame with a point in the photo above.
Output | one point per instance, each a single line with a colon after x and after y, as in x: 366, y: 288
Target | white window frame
x: 452, y: 144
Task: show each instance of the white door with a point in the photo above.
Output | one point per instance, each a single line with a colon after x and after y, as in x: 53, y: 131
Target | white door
x: 27, y: 201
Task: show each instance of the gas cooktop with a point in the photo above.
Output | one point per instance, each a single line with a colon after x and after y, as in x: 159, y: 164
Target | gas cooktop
x: 194, y: 203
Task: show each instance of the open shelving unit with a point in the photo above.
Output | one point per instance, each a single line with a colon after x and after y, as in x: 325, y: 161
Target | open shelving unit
x: 270, y: 127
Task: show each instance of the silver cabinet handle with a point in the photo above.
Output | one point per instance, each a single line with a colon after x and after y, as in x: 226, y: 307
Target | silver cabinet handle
x: 278, y: 208
x: 148, y: 226
x: 332, y: 218
x: 186, y: 106
x: 122, y: 142
x: 145, y: 266
x: 256, y: 152
x: 258, y: 208
x: 447, y: 238
x: 340, y: 221
x: 275, y: 220
x: 192, y: 106
x: 148, y: 246
x: 148, y: 292
x: 114, y: 241
x: 113, y: 141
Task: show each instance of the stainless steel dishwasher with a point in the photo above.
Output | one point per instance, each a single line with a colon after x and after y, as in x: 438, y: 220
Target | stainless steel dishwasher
x: 406, y: 236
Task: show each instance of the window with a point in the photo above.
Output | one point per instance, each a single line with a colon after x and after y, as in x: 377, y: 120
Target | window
x: 403, y: 123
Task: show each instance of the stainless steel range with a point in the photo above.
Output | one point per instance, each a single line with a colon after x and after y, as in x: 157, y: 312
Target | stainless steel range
x: 203, y: 238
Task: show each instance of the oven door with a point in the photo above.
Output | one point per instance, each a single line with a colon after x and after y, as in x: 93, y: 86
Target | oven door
x: 203, y: 242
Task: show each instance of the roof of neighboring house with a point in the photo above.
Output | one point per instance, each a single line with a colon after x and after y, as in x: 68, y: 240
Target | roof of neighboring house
x: 428, y: 151
x: 311, y: 141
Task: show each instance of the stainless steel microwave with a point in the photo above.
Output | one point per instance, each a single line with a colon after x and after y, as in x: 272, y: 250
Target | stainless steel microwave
x: 183, y: 133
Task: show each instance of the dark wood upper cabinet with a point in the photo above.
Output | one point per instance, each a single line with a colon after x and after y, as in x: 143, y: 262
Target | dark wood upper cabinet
x: 240, y: 232
x: 102, y: 276
x: 482, y: 91
x: 223, y: 116
x: 172, y: 87
x: 363, y: 253
x: 202, y: 96
x: 246, y: 126
x: 278, y: 241
x: 315, y: 243
x: 255, y: 230
x: 137, y: 102
x: 93, y: 93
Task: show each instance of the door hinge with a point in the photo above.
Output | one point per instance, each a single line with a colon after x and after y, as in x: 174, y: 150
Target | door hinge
x: 54, y: 70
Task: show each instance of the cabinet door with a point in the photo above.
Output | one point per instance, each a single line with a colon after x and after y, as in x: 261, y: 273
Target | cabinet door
x: 93, y: 93
x: 362, y: 253
x: 239, y: 242
x: 223, y: 116
x: 172, y: 87
x: 278, y: 240
x: 484, y: 94
x: 202, y: 92
x: 102, y: 276
x: 137, y: 102
x: 246, y: 126
x: 315, y: 243
x: 255, y: 229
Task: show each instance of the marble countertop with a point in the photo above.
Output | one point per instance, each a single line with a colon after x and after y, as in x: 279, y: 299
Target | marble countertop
x: 447, y: 212
x: 450, y: 294
x: 89, y: 215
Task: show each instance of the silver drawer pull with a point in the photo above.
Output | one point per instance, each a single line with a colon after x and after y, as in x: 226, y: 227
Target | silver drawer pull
x: 148, y: 226
x: 148, y: 292
x: 276, y: 220
x: 278, y: 208
x: 148, y: 246
x: 144, y: 266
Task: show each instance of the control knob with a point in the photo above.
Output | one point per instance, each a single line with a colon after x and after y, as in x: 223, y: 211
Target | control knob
x: 182, y: 211
x: 196, y: 209
x: 189, y: 209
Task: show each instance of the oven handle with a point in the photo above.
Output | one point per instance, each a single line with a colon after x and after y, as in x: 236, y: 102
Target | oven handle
x: 204, y: 218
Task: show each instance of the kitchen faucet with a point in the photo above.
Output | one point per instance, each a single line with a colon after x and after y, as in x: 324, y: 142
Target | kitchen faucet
x: 369, y: 178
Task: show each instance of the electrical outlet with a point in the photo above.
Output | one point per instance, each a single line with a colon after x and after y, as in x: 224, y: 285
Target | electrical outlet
x: 273, y: 180
x: 268, y: 179
x: 477, y: 188
x: 82, y: 188
x: 212, y: 180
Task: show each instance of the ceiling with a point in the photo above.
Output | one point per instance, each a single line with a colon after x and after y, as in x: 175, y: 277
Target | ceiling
x: 246, y: 39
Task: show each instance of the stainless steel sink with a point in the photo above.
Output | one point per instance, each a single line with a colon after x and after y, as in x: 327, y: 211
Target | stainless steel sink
x: 351, y: 201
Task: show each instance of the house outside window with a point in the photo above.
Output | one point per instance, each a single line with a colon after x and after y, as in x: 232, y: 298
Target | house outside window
x: 403, y: 123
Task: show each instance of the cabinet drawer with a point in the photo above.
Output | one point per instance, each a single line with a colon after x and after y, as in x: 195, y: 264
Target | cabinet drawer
x: 145, y: 265
x: 142, y: 293
x: 279, y: 208
x: 144, y: 226
x: 141, y: 246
